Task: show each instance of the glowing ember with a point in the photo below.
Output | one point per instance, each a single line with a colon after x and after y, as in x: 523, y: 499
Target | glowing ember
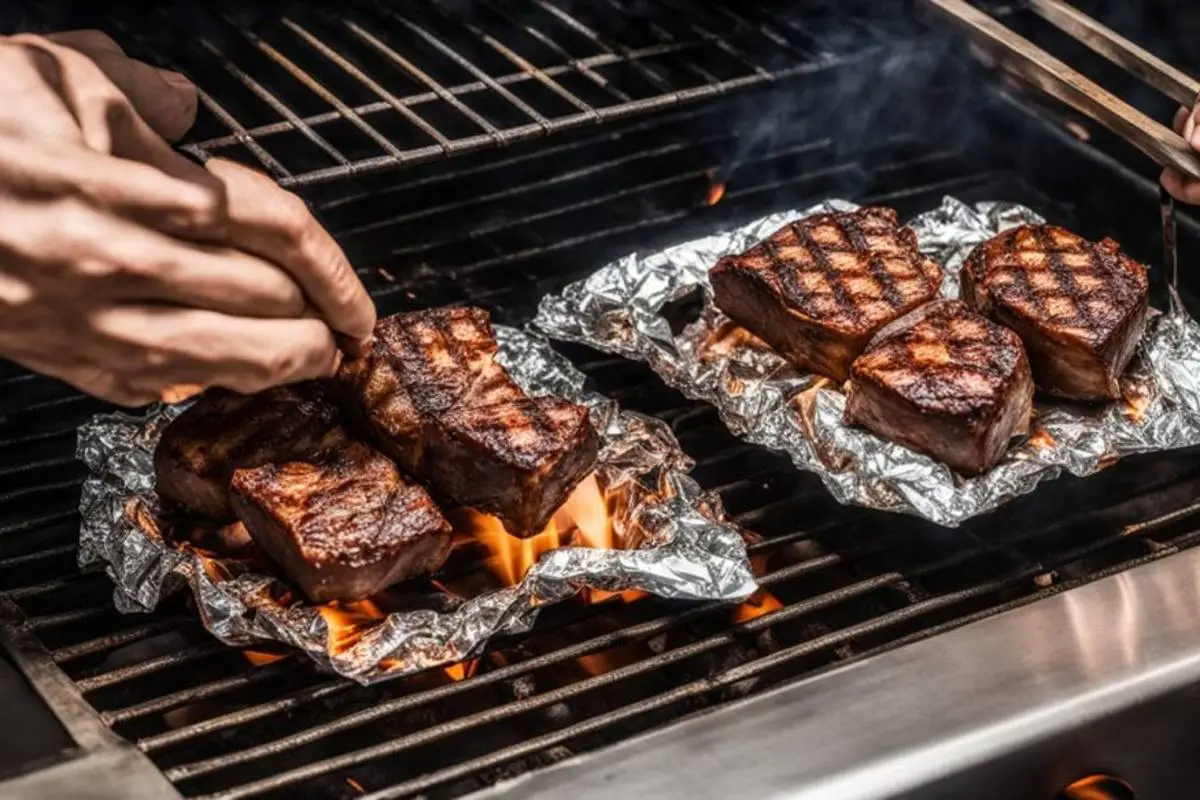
x: 260, y: 658
x: 760, y: 603
x: 584, y: 520
x: 462, y: 670
x: 1098, y: 787
x: 1042, y: 439
x: 601, y: 596
x: 715, y: 193
x: 355, y: 785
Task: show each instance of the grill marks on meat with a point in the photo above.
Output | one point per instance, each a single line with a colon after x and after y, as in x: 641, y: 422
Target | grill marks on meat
x: 433, y: 397
x: 344, y: 525
x: 1080, y: 307
x: 819, y: 288
x: 223, y: 431
x: 944, y: 381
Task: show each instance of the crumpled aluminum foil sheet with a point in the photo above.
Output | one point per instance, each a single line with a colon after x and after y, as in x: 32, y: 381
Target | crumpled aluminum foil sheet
x: 621, y: 309
x: 683, y: 548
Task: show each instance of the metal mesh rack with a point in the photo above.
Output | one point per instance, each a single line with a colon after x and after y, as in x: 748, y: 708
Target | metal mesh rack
x: 850, y: 582
x: 312, y: 96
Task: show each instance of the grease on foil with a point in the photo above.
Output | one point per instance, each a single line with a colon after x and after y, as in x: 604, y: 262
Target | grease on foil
x: 622, y: 309
x: 686, y: 551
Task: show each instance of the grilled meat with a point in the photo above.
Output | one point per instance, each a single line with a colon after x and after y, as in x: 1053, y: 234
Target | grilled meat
x: 433, y: 398
x: 819, y: 288
x: 1080, y: 307
x: 342, y: 526
x: 223, y: 431
x: 944, y: 381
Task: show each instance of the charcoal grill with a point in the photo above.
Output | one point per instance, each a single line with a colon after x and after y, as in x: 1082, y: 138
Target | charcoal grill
x: 491, y: 152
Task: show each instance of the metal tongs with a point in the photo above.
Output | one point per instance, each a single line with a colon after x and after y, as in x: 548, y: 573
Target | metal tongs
x: 1020, y: 57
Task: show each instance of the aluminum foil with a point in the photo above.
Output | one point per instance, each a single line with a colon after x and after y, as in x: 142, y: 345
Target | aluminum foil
x: 624, y: 308
x: 680, y: 547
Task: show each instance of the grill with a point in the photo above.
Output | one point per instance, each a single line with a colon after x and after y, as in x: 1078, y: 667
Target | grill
x: 603, y: 152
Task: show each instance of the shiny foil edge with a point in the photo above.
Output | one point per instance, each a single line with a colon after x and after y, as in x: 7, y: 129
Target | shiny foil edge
x: 622, y: 307
x: 689, y: 552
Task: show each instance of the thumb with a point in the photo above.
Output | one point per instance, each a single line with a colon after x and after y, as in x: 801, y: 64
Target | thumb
x: 166, y: 100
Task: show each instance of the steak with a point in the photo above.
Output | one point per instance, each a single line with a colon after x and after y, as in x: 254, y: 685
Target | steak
x: 1080, y: 307
x: 432, y: 396
x: 224, y: 431
x: 819, y: 288
x: 344, y: 525
x: 944, y: 381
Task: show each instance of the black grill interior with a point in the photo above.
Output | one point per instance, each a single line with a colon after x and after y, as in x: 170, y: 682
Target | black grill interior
x: 500, y: 228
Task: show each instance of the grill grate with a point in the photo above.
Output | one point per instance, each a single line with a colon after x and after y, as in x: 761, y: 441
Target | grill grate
x: 312, y: 96
x: 501, y: 230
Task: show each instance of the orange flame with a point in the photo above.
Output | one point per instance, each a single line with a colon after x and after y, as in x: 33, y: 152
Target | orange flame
x: 347, y: 622
x: 261, y: 658
x: 760, y: 603
x: 715, y: 193
x: 355, y: 785
x: 585, y: 520
x: 462, y: 670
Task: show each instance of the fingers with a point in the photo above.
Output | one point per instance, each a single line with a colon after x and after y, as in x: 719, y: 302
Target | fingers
x: 106, y: 118
x: 277, y: 225
x: 166, y: 100
x: 82, y: 255
x: 179, y: 346
x: 129, y: 189
x: 1180, y: 187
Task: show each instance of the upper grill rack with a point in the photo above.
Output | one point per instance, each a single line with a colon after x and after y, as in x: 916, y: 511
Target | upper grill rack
x: 406, y: 83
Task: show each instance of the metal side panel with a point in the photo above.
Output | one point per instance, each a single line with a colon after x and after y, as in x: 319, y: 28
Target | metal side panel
x: 102, y: 766
x: 1104, y: 677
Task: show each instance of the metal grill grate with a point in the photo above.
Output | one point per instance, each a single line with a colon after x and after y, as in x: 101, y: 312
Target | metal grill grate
x: 313, y: 95
x: 850, y: 582
x: 502, y: 229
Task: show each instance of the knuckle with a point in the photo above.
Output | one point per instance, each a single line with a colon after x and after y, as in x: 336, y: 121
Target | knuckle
x: 295, y: 219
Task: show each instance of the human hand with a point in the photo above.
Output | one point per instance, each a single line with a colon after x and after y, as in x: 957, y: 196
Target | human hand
x: 1181, y: 187
x: 126, y: 269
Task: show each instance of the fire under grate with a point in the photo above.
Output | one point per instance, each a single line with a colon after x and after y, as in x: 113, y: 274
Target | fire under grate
x: 503, y: 229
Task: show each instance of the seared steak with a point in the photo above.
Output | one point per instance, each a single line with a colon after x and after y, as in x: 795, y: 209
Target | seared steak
x: 946, y: 382
x: 1080, y: 307
x: 223, y: 431
x: 433, y: 398
x: 342, y: 526
x: 819, y: 288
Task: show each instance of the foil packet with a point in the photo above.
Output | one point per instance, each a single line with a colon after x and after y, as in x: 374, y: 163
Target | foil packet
x: 672, y: 537
x: 625, y: 308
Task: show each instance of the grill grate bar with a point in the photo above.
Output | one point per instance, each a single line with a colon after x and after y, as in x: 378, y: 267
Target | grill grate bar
x: 122, y: 674
x: 522, y: 64
x: 240, y: 134
x: 40, y: 436
x: 233, y: 719
x: 191, y: 695
x: 46, y: 587
x: 479, y: 75
x: 265, y: 94
x: 687, y: 691
x: 365, y: 79
x: 446, y: 94
x: 590, y: 202
x: 315, y: 86
x: 597, y: 40
x: 43, y: 521
x: 654, y: 627
x: 114, y: 640
x: 40, y: 555
x: 572, y: 62
x: 67, y: 617
x: 42, y: 488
